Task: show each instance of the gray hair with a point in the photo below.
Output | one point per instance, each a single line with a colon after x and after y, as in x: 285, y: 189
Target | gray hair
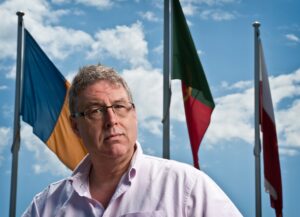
x: 89, y: 75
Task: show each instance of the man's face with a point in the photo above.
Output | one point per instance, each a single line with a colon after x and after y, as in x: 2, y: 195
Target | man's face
x: 112, y: 136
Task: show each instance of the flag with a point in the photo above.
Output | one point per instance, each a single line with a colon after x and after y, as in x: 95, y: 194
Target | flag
x: 45, y: 104
x: 270, y: 146
x: 186, y: 66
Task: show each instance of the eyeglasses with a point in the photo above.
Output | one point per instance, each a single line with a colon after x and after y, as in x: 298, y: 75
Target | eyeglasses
x: 121, y: 109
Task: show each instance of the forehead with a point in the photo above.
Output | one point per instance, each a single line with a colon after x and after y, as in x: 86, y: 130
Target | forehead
x: 102, y: 91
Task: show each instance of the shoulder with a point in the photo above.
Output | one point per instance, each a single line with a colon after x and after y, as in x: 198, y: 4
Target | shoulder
x: 53, y: 188
x: 175, y: 170
x: 53, y: 192
x: 195, y: 181
x: 171, y: 166
x: 201, y: 194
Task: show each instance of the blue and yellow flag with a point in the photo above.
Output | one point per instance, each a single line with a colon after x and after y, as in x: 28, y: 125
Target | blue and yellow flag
x: 45, y: 104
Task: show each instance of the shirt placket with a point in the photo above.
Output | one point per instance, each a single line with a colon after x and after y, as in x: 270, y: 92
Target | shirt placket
x: 112, y: 207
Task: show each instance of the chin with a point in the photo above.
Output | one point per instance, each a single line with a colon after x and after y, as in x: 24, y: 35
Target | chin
x: 118, y: 150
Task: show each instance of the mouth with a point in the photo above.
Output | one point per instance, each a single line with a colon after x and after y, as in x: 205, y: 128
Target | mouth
x: 113, y: 136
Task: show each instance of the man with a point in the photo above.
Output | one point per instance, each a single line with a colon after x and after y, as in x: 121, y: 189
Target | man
x: 116, y: 178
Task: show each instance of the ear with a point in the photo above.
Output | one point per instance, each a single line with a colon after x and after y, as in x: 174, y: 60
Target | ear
x: 74, y: 126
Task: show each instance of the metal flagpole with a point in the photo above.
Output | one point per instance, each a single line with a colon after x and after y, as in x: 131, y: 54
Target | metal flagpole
x: 16, y: 137
x: 257, y: 147
x: 166, y: 82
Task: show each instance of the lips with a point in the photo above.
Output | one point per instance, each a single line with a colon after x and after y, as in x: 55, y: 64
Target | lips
x: 113, y: 134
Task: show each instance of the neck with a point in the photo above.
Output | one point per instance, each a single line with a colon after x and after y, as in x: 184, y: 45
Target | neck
x: 105, y: 176
x: 107, y: 170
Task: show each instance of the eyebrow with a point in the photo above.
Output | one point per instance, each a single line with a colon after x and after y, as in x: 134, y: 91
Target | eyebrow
x: 121, y: 100
x: 101, y: 103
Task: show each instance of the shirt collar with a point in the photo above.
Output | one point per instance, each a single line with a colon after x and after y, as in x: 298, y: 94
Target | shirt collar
x: 135, y: 162
x: 81, y: 172
x: 80, y: 177
x: 83, y: 167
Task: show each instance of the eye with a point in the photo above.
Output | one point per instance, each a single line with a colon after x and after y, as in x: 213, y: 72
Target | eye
x: 96, y: 111
x: 119, y: 106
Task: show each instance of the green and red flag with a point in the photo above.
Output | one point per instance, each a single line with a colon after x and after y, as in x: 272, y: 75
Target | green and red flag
x: 186, y: 66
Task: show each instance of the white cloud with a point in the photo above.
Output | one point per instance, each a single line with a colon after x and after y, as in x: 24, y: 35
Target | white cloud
x: 189, y: 23
x: 60, y: 1
x: 177, y: 108
x: 146, y: 87
x: 3, y: 87
x: 189, y: 9
x: 70, y: 76
x: 4, y: 135
x: 200, y: 52
x: 288, y: 124
x: 292, y: 37
x: 110, y: 42
x: 217, y: 15
x: 99, y: 4
x: 233, y: 115
x: 55, y: 42
x: 209, y: 2
x: 39, y: 19
x: 148, y: 15
x: 232, y: 118
x: 159, y: 49
x: 8, y: 29
x: 154, y: 126
x: 288, y: 152
x: 46, y: 160
x: 7, y: 111
x: 11, y: 74
x: 285, y: 86
x: 208, y: 7
x: 238, y: 85
x: 149, y: 151
x: 225, y: 84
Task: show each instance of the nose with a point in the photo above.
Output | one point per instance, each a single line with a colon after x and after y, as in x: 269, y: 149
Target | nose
x: 111, y: 118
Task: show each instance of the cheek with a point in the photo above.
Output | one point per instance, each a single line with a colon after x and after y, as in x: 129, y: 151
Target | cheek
x: 133, y: 129
x: 90, y: 134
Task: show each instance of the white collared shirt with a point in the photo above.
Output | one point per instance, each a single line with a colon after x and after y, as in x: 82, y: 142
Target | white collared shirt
x: 151, y: 187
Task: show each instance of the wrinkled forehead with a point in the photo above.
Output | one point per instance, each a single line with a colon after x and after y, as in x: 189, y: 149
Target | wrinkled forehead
x: 103, y: 91
x: 100, y: 85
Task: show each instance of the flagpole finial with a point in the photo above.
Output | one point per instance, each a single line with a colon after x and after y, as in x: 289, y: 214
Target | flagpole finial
x: 256, y: 24
x: 20, y: 13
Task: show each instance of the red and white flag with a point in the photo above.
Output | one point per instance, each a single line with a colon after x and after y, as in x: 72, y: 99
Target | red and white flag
x: 270, y: 146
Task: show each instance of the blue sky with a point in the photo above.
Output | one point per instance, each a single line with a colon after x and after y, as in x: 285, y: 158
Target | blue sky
x: 128, y: 36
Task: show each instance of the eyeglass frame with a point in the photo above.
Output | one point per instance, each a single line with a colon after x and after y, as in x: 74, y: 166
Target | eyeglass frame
x: 101, y: 110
